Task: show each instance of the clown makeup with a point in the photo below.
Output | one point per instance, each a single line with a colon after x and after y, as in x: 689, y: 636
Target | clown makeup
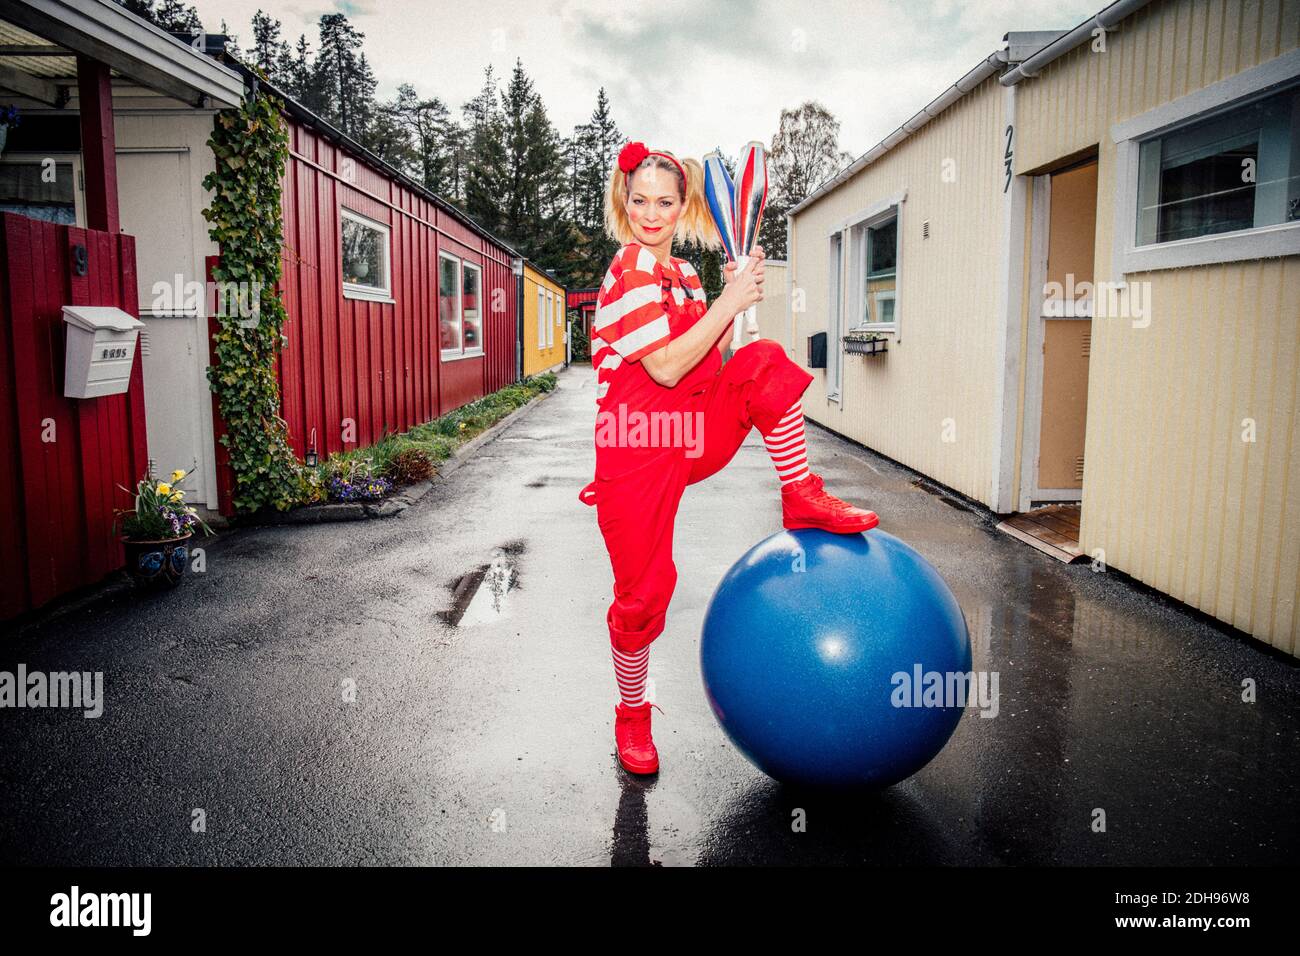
x: 654, y: 205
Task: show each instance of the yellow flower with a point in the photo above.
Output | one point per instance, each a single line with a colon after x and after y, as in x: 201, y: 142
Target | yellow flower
x: 164, y: 488
x: 177, y: 475
x: 176, y: 496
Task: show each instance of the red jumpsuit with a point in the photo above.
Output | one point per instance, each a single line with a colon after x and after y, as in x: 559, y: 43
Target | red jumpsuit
x: 641, y: 307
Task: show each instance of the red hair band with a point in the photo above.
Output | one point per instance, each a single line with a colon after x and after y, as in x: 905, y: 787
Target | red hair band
x: 631, y: 156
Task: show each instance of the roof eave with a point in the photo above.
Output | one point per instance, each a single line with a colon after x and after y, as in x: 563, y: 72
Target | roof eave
x: 107, y: 32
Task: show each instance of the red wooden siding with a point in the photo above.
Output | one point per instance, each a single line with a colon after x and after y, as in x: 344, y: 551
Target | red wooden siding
x: 58, y: 498
x: 377, y: 363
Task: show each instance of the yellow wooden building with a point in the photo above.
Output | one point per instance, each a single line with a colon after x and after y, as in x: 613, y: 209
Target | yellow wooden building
x: 545, y: 327
x: 1083, y: 259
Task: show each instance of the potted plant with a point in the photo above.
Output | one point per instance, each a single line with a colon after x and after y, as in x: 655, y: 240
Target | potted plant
x: 9, y: 116
x: 863, y: 342
x: 157, y: 531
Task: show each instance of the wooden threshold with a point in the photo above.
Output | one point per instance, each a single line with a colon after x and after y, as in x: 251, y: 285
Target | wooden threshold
x: 1053, y: 530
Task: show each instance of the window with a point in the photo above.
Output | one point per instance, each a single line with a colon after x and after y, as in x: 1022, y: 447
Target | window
x: 449, y: 325
x: 472, y: 309
x: 1213, y: 176
x: 1235, y: 171
x: 876, y: 245
x: 40, y: 190
x: 365, y: 258
x: 550, y: 324
x: 541, y: 319
x: 834, y: 350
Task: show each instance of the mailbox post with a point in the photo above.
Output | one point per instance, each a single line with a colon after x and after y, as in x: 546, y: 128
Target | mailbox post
x: 100, y: 350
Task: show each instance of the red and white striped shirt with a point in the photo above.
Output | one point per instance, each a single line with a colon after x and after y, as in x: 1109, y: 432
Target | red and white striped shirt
x: 631, y: 320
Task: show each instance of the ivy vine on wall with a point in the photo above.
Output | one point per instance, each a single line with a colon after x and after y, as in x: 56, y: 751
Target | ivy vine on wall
x: 251, y: 146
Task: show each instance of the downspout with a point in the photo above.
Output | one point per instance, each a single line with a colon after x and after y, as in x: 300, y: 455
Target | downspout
x: 519, y: 319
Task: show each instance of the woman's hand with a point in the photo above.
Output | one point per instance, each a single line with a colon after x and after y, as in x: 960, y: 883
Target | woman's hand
x: 751, y: 289
x: 729, y: 268
x: 743, y: 288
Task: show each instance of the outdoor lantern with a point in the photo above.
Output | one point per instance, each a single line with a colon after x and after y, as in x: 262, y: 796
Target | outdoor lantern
x: 311, y: 460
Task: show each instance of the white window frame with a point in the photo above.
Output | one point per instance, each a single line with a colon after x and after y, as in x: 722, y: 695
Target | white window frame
x: 482, y: 311
x: 836, y: 255
x: 541, y: 319
x: 350, y: 289
x: 869, y: 217
x: 1262, y: 242
x: 550, y: 319
x: 451, y: 355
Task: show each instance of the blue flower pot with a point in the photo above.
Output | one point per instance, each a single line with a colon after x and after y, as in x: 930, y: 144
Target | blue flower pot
x: 157, y: 564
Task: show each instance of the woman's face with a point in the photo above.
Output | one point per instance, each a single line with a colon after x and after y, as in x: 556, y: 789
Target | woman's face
x: 653, y: 206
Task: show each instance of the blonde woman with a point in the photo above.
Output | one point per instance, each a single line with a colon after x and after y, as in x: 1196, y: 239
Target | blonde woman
x: 670, y: 413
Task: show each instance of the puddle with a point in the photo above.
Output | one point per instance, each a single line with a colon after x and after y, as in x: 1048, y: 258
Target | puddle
x: 483, y: 594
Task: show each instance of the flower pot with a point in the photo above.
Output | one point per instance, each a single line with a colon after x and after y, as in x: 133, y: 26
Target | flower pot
x: 160, y: 563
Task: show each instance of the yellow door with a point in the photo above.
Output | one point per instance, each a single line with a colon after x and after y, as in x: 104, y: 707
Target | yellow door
x: 1067, y: 327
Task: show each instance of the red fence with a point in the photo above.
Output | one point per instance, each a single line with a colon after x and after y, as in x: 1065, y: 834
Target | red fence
x: 58, y: 488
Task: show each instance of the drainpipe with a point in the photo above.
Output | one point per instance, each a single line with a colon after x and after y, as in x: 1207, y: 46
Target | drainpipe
x: 519, y: 319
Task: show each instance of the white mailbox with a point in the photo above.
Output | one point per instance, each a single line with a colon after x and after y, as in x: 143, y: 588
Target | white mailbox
x: 101, y: 348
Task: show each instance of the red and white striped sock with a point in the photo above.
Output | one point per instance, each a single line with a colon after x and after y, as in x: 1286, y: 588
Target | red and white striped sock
x: 630, y: 671
x: 785, y: 443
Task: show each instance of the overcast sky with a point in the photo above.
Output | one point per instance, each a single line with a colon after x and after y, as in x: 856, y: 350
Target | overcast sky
x: 683, y: 75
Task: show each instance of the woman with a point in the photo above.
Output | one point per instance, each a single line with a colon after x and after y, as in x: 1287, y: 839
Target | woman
x: 671, y: 413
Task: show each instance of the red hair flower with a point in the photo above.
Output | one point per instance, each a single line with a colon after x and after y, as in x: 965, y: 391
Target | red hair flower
x: 631, y: 155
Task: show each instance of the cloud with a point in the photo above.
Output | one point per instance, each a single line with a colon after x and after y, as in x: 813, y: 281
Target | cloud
x: 687, y: 75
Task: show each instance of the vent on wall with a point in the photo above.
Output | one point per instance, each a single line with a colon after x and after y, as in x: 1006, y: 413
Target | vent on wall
x: 925, y: 229
x: 1078, y: 468
x: 1087, y: 342
x: 144, y: 340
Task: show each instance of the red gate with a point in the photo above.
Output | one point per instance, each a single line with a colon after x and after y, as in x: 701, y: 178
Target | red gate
x: 65, y: 456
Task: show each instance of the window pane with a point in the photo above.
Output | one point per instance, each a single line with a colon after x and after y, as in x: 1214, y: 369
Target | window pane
x: 876, y: 258
x: 448, y: 287
x: 1224, y: 174
x: 473, y: 314
x: 884, y: 247
x: 363, y: 254
x: 38, y: 192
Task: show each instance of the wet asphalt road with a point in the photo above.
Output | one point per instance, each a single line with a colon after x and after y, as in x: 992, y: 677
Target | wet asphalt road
x: 481, y: 731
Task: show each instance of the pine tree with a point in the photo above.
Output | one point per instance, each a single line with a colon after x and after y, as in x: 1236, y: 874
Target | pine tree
x: 593, y: 149
x: 269, y: 53
x: 337, y: 73
x: 298, y: 71
x: 175, y: 16
x: 232, y: 42
x: 515, y: 104
x: 486, y: 171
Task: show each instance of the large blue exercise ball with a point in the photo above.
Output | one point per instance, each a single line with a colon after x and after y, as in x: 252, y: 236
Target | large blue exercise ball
x: 836, y: 660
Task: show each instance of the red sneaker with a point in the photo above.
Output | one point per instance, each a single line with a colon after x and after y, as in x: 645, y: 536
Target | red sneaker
x: 805, y: 505
x: 636, y: 750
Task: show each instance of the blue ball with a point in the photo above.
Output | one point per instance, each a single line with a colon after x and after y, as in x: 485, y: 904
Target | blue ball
x: 835, y: 660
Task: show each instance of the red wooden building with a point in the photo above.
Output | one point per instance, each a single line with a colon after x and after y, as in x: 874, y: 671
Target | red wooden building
x: 400, y: 308
x: 432, y: 324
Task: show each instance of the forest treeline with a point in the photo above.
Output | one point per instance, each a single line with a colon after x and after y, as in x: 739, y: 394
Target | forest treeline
x: 499, y: 157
